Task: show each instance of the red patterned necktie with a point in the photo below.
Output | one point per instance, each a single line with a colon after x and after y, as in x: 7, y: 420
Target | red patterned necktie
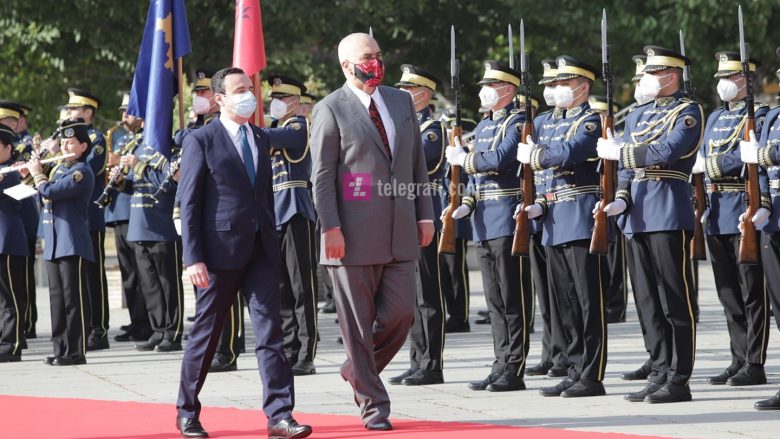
x: 377, y: 119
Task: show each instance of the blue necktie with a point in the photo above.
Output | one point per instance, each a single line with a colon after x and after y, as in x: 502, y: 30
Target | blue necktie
x: 249, y: 162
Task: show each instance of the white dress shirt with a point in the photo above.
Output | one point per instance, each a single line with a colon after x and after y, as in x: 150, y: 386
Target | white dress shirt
x: 365, y: 99
x: 233, y: 130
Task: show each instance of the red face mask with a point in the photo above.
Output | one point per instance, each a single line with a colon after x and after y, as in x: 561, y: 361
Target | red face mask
x: 370, y: 73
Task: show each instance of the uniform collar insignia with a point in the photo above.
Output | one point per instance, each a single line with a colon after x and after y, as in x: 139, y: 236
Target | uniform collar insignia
x: 664, y: 101
x: 572, y: 112
x: 734, y: 106
x: 559, y: 113
x: 500, y: 114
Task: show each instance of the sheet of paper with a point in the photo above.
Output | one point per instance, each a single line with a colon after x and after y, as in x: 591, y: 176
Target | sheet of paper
x: 20, y: 191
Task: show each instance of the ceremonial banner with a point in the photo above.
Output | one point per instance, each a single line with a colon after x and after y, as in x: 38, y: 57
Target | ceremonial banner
x: 249, y: 47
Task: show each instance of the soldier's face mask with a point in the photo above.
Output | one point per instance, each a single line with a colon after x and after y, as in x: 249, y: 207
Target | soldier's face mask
x: 200, y: 105
x: 728, y: 89
x: 278, y: 108
x: 549, y: 96
x: 650, y: 85
x: 639, y: 97
x: 370, y: 72
x: 416, y: 96
x: 489, y: 96
x: 565, y: 95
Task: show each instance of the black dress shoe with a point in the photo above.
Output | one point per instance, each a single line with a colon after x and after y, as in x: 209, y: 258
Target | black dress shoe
x: 558, y: 371
x: 340, y: 340
x: 220, y: 365
x: 329, y: 307
x: 507, y: 382
x: 725, y: 375
x: 49, y: 360
x: 557, y: 389
x: 639, y: 396
x: 772, y: 403
x: 123, y: 336
x: 538, y: 369
x: 10, y: 358
x: 483, y: 321
x: 148, y: 345
x: 483, y: 313
x: 749, y: 375
x: 303, y: 368
x: 424, y: 377
x: 190, y: 427
x: 379, y: 424
x: 638, y: 375
x: 670, y: 392
x: 31, y: 334
x: 126, y: 328
x: 288, y: 429
x: 397, y: 379
x: 482, y: 385
x: 616, y: 318
x: 190, y: 319
x: 168, y: 346
x: 69, y: 361
x: 584, y: 388
x: 97, y: 343
x: 454, y: 326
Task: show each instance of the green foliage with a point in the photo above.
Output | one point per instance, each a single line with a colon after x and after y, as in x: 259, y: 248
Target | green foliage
x: 47, y: 46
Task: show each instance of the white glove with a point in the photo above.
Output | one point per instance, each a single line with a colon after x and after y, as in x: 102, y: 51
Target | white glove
x: 534, y: 210
x: 524, y: 151
x: 177, y: 225
x: 761, y: 216
x: 705, y: 216
x: 456, y: 155
x: 462, y: 211
x: 748, y: 150
x: 615, y: 208
x: 609, y: 148
x: 699, y: 167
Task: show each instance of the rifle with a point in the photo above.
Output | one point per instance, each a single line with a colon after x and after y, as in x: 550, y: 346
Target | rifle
x: 698, y: 249
x: 599, y: 242
x: 447, y: 241
x: 522, y: 237
x: 748, y: 245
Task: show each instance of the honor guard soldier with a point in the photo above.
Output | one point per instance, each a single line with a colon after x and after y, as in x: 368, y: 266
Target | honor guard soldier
x: 84, y: 105
x: 13, y: 254
x: 307, y: 103
x: 656, y: 154
x: 491, y: 194
x: 564, y: 207
x: 764, y: 149
x: 740, y: 286
x: 203, y: 103
x: 157, y: 246
x: 613, y: 276
x: 554, y: 361
x: 427, y: 332
x: 117, y: 216
x: 295, y: 218
x: 66, y: 194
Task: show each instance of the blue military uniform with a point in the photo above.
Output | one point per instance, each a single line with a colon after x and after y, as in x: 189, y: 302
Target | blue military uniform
x: 661, y: 140
x: 567, y: 155
x: 493, y: 192
x: 295, y: 223
x: 740, y: 287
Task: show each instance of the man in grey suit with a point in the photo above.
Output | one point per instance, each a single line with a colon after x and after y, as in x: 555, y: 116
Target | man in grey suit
x: 374, y: 206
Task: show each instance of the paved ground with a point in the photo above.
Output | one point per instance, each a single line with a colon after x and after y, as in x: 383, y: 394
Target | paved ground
x: 121, y: 373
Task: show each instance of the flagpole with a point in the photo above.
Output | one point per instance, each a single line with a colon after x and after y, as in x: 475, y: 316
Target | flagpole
x: 180, y: 68
x: 258, y: 98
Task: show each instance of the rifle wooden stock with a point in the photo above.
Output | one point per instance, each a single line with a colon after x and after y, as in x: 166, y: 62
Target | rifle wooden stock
x: 599, y: 241
x: 698, y: 249
x: 748, y: 245
x: 521, y: 242
x: 448, y: 229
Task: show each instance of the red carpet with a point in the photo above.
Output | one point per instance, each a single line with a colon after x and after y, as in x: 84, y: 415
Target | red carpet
x: 27, y: 417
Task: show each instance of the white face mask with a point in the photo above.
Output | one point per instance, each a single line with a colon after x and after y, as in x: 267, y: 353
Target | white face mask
x: 200, y: 105
x: 650, y: 86
x: 415, y: 96
x: 488, y: 97
x: 639, y: 97
x: 243, y: 104
x: 549, y: 96
x: 564, y: 95
x: 278, y: 108
x: 728, y: 89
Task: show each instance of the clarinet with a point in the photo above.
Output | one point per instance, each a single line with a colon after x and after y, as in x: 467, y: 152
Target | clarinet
x: 174, y: 166
x: 105, y: 197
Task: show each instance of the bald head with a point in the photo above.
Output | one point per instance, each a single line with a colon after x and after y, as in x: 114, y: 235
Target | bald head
x: 353, y: 47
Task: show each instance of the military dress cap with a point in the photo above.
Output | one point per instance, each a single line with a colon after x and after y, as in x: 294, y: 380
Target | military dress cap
x: 549, y: 71
x: 23, y: 109
x: 534, y: 101
x: 599, y: 103
x: 308, y: 98
x: 75, y: 128
x: 499, y: 72
x: 640, y: 61
x: 7, y: 135
x: 202, y: 80
x: 729, y: 63
x: 413, y: 76
x: 284, y: 86
x: 125, y: 101
x: 81, y: 98
x: 660, y: 58
x: 570, y: 67
x: 9, y: 109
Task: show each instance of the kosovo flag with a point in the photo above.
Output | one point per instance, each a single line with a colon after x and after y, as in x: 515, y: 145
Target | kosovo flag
x: 166, y: 39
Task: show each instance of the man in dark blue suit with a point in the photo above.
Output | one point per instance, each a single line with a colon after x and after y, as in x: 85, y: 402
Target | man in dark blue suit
x: 229, y: 241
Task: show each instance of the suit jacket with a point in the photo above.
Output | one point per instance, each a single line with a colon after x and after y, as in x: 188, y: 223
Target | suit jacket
x: 221, y: 212
x: 358, y: 188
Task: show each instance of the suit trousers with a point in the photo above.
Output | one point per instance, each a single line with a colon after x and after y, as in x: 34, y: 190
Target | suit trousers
x: 575, y: 279
x: 745, y: 301
x: 69, y: 305
x: 375, y: 308
x: 134, y: 297
x: 770, y: 259
x: 31, y: 313
x: 159, y: 275
x: 507, y: 283
x: 13, y: 303
x: 615, y: 280
x: 97, y: 287
x: 427, y: 333
x: 258, y: 281
x: 455, y: 282
x: 664, y: 277
x: 232, y: 341
x: 554, y: 341
x: 298, y: 286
